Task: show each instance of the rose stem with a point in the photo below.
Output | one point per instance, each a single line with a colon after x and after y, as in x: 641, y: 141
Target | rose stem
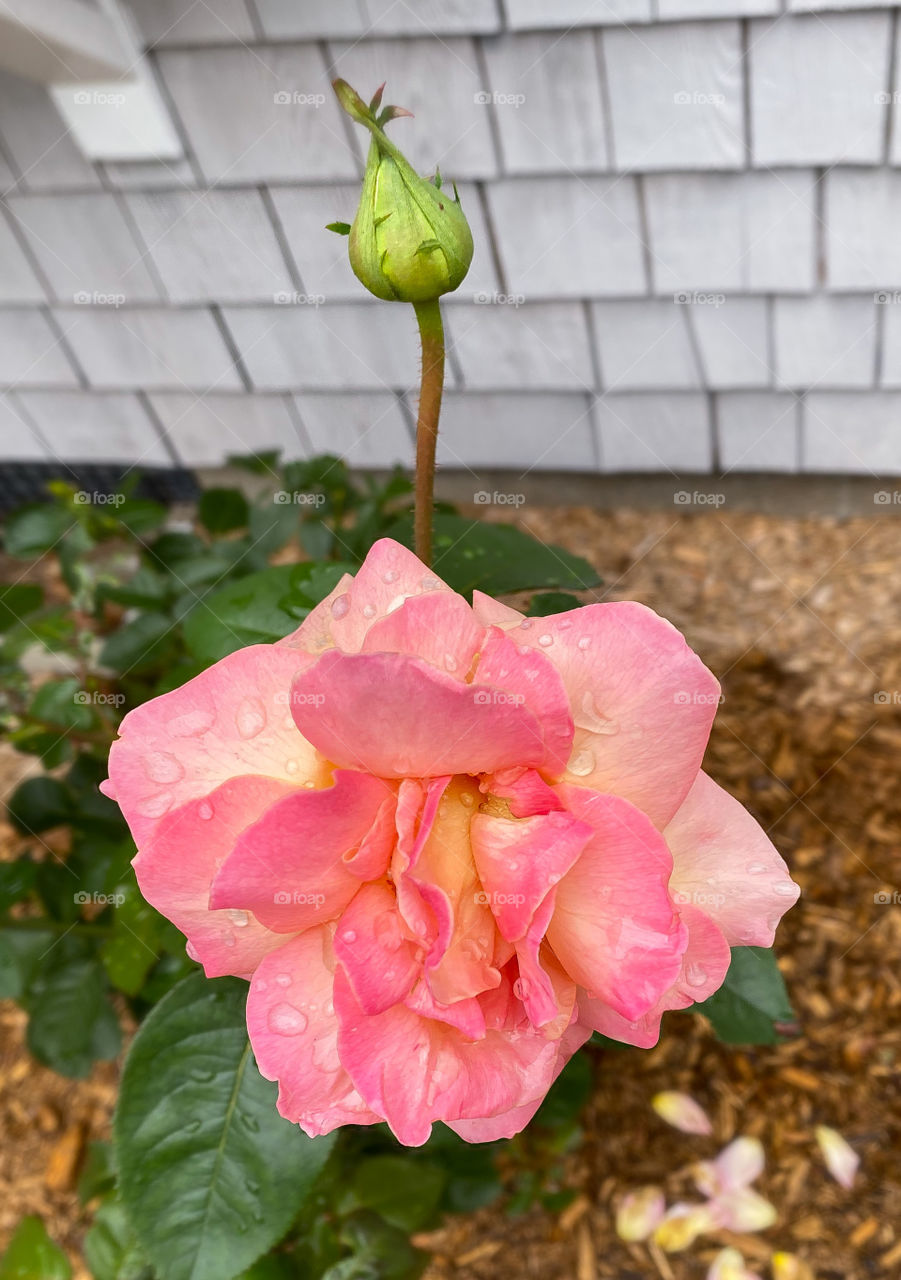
x: 431, y: 333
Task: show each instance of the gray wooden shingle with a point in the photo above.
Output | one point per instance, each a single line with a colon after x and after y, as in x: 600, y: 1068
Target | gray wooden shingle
x: 432, y: 17
x: 37, y: 140
x: 643, y: 345
x: 85, y: 426
x: 749, y: 232
x: 539, y: 14
x: 568, y: 237
x: 758, y: 431
x: 367, y: 430
x: 733, y: 342
x: 676, y: 96
x: 543, y: 345
x: 889, y: 312
x: 852, y: 432
x: 549, y: 432
x: 667, y: 10
x: 863, y: 248
x: 654, y: 432
x: 258, y: 114
x: 546, y: 97
x: 18, y: 281
x: 85, y: 247
x: 288, y: 20
x: 824, y: 341
x: 815, y: 88
x: 18, y: 440
x: 205, y: 430
x: 31, y: 354
x: 150, y: 348
x: 207, y: 21
x: 212, y: 245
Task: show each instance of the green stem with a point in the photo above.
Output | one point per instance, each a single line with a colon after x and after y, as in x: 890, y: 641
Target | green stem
x: 431, y: 333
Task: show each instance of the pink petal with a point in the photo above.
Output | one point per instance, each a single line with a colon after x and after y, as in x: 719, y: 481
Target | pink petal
x: 415, y: 1071
x: 736, y: 1167
x: 506, y: 673
x: 381, y: 963
x: 294, y: 1034
x: 642, y: 702
x: 743, y: 1211
x: 548, y: 995
x: 520, y: 860
x: 177, y: 863
x: 438, y: 627
x: 614, y: 929
x: 288, y: 868
x: 682, y: 1112
x: 841, y: 1159
x: 231, y: 720
x: 491, y: 613
x: 705, y: 963
x: 725, y: 864
x: 525, y: 791
x: 398, y: 717
x: 390, y: 573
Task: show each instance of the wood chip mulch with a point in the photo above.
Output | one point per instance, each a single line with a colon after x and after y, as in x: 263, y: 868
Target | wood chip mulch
x: 801, y: 621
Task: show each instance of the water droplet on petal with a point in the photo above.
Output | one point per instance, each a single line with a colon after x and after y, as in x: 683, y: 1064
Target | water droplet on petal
x: 191, y: 724
x: 328, y: 1008
x: 291, y: 766
x: 155, y: 806
x: 240, y: 919
x: 250, y: 718
x: 283, y: 979
x: 785, y: 889
x: 520, y: 988
x: 581, y: 763
x: 390, y: 575
x: 229, y: 939
x: 205, y: 810
x: 450, y: 662
x: 368, y: 611
x: 163, y: 767
x: 584, y: 642
x: 191, y: 951
x: 340, y: 606
x: 466, y: 799
x: 589, y: 717
x: 514, y: 865
x: 695, y: 975
x: 525, y: 624
x: 430, y: 583
x: 756, y: 868
x: 285, y: 1020
x: 261, y: 984
x: 546, y: 640
x: 349, y: 935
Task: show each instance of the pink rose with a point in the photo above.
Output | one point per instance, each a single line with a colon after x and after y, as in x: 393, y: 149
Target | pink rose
x: 444, y: 844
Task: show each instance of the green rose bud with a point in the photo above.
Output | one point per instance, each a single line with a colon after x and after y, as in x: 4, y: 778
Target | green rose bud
x: 409, y: 242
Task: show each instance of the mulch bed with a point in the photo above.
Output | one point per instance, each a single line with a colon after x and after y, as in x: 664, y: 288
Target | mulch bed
x: 801, y: 620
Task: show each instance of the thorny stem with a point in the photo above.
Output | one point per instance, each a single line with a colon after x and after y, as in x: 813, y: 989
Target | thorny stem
x: 431, y: 333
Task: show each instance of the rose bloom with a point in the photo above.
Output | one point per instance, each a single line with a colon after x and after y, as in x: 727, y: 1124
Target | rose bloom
x: 445, y: 843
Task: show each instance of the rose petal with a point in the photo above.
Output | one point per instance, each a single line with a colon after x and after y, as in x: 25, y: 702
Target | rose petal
x: 381, y: 963
x: 176, y: 866
x: 294, y: 1031
x: 614, y: 929
x: 682, y: 1112
x: 639, y: 1213
x: 231, y: 720
x: 724, y: 863
x: 736, y: 1167
x: 288, y: 868
x: 641, y: 700
x: 841, y: 1158
x: 439, y: 628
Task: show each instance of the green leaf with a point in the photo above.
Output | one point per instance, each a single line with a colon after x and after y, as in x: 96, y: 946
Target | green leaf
x: 16, y: 881
x: 545, y: 603
x: 21, y: 951
x: 98, y: 1174
x: 32, y: 1255
x: 133, y: 950
x: 339, y: 228
x: 404, y: 1191
x: 210, y: 1174
x: 36, y: 528
x: 568, y: 1095
x: 63, y: 703
x: 37, y: 804
x: 17, y: 602
x: 71, y: 1022
x: 138, y: 645
x: 497, y: 558
x: 221, y: 510
x: 752, y: 1005
x: 110, y: 1248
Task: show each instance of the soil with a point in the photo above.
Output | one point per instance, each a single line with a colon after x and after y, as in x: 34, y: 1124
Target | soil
x: 801, y: 621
